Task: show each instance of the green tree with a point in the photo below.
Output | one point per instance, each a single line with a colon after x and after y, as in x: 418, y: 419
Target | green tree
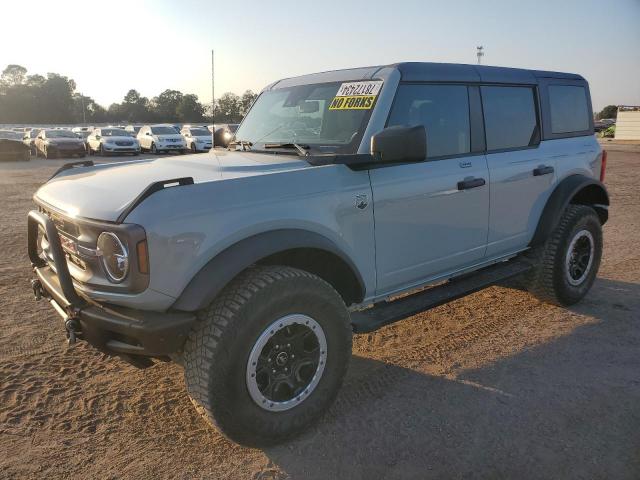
x: 135, y: 107
x: 610, y: 111
x: 165, y: 105
x: 57, y: 99
x: 190, y: 109
x: 228, y: 108
x: 13, y: 75
x: 247, y: 99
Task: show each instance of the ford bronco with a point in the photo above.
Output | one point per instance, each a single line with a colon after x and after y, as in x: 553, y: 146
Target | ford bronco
x: 348, y: 200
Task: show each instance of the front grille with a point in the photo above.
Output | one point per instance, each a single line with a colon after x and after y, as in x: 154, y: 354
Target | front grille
x: 64, y: 226
x: 124, y: 143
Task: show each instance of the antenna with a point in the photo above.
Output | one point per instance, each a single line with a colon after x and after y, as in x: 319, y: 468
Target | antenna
x: 480, y: 53
x: 213, y: 107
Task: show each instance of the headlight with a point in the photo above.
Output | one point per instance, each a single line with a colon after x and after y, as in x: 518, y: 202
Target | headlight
x: 114, y: 256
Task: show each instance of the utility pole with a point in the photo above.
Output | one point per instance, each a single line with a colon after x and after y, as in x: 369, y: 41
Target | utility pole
x: 480, y: 53
x: 84, y: 116
x: 213, y: 106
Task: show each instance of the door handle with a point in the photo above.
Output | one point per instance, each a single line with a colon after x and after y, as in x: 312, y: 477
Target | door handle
x: 471, y: 183
x: 542, y: 170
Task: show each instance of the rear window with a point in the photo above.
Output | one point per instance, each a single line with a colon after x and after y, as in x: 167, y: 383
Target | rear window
x: 444, y: 112
x: 569, y: 109
x: 510, y: 117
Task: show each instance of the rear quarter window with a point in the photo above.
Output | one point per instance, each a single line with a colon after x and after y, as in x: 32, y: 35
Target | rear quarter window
x: 569, y: 109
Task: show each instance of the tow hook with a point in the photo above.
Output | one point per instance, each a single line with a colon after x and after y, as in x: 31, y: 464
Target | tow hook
x: 72, y: 326
x: 37, y: 288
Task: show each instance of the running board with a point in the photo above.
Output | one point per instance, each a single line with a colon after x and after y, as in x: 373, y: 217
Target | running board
x: 384, y: 313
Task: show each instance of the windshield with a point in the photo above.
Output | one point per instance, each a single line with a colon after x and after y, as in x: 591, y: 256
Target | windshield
x: 60, y: 134
x: 329, y: 117
x: 163, y: 130
x: 10, y: 135
x: 114, y: 132
x: 200, y: 132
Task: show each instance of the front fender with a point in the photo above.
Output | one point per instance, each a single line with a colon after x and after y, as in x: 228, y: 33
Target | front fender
x: 225, y: 266
x: 573, y: 189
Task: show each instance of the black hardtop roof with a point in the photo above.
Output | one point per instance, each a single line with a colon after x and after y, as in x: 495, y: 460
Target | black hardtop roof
x: 429, y: 72
x: 458, y: 72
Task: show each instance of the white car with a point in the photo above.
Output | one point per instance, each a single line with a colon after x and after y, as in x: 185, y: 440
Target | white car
x: 107, y: 141
x: 198, y: 139
x: 161, y: 138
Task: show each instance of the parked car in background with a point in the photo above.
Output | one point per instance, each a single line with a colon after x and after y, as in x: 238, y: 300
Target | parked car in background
x: 12, y: 146
x: 197, y: 139
x: 161, y: 138
x: 107, y: 141
x: 51, y: 143
x: 84, y: 135
x: 599, y: 125
x: 224, y: 134
x: 82, y: 129
x: 133, y: 130
x: 29, y: 139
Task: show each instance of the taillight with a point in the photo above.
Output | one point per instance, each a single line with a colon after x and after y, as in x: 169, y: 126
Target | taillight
x: 603, y: 165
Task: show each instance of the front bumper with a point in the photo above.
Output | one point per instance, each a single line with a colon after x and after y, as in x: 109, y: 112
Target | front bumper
x: 110, y: 328
x: 171, y: 146
x: 121, y: 149
x: 67, y: 149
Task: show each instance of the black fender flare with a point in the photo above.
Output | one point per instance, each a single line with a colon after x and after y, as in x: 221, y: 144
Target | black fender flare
x: 226, y: 265
x: 578, y: 189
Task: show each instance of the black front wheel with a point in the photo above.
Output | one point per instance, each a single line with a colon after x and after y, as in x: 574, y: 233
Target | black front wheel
x: 567, y: 264
x: 268, y: 357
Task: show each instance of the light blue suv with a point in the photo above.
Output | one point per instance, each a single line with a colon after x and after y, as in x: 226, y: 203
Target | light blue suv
x: 253, y: 266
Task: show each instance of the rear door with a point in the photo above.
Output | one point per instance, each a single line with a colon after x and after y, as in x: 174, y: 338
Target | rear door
x: 522, y: 171
x: 431, y: 217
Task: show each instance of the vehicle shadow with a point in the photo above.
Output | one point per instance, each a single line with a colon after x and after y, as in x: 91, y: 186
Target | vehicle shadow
x: 567, y: 409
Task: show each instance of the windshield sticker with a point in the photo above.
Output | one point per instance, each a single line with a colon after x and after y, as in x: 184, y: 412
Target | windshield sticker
x: 356, y: 96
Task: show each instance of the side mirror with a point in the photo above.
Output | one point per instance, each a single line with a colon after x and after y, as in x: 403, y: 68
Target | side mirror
x: 400, y: 144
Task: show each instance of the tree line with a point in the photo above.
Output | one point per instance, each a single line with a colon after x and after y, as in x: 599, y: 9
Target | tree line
x: 35, y: 99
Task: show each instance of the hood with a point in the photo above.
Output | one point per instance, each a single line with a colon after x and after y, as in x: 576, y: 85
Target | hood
x: 64, y: 140
x: 119, y: 138
x: 102, y: 192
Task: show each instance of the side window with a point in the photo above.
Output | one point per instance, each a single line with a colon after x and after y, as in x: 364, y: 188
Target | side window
x: 510, y: 117
x: 569, y: 110
x: 442, y: 109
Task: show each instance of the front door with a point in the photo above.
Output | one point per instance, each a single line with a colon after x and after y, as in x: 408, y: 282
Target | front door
x: 431, y: 217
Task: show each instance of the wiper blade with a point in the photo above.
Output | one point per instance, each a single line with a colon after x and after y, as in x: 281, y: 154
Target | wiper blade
x: 302, y: 149
x: 244, y: 144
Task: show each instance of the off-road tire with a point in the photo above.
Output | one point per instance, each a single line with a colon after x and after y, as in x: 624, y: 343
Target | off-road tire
x: 217, y: 351
x: 548, y: 279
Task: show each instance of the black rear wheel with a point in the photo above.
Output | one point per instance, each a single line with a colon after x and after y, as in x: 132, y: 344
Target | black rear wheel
x: 567, y: 264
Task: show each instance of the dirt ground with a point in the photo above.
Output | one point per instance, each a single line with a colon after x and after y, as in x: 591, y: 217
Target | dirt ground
x: 495, y: 385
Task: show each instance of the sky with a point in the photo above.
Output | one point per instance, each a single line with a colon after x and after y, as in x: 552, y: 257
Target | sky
x: 113, y: 46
